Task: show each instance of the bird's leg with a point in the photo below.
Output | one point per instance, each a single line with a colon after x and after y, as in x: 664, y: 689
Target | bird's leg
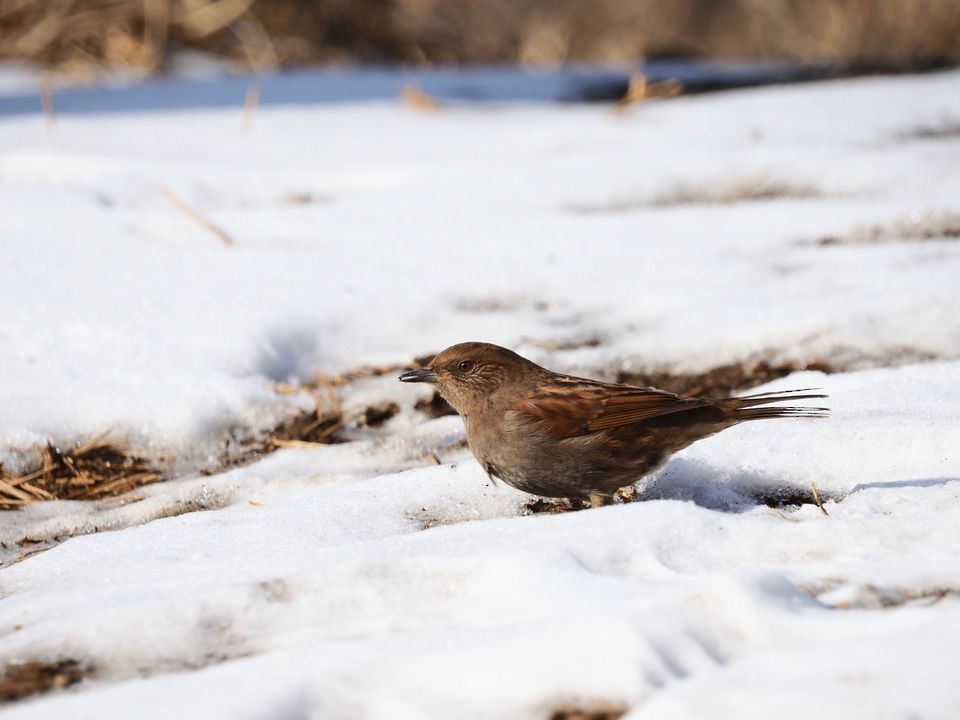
x: 598, y: 500
x: 493, y: 480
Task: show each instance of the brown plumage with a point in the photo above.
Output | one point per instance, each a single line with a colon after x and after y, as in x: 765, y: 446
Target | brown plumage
x: 562, y: 436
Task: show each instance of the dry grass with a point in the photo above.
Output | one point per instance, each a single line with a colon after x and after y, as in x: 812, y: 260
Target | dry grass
x: 322, y: 424
x: 94, y: 35
x: 103, y: 468
x: 418, y: 99
x: 96, y: 469
x: 929, y: 226
x: 189, y: 211
x: 640, y: 90
x: 751, y: 189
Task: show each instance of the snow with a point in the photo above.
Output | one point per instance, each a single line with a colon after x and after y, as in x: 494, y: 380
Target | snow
x: 359, y: 579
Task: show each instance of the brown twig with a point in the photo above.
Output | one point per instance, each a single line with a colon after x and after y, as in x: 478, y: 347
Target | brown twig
x: 251, y: 102
x: 816, y: 499
x: 416, y: 98
x: 46, y: 101
x: 194, y: 215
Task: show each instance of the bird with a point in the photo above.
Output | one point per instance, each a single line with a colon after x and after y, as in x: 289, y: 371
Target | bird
x: 561, y: 436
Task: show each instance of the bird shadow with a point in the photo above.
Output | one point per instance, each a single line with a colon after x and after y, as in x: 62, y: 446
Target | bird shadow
x: 286, y: 354
x: 917, y: 483
x: 736, y: 492
x: 743, y: 490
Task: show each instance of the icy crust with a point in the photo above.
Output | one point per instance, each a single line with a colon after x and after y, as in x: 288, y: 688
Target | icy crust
x: 681, y: 235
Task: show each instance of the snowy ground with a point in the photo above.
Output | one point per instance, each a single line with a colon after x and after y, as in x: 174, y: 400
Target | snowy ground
x: 357, y: 580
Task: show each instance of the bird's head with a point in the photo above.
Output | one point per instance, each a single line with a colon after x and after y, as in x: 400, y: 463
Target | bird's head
x: 470, y: 374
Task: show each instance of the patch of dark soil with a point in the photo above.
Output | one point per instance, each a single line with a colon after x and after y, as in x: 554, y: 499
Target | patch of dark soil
x: 435, y: 407
x: 96, y: 469
x: 949, y: 128
x: 612, y: 712
x: 377, y: 415
x: 793, y: 497
x: 314, y: 426
x: 553, y: 506
x: 276, y: 590
x: 35, y: 677
x: 929, y: 226
x: 723, y: 380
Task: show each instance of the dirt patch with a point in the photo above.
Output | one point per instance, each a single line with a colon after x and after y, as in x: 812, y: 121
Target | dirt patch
x: 31, y: 678
x: 947, y: 129
x: 917, y: 228
x: 276, y: 590
x: 434, y: 407
x: 791, y: 497
x: 611, y: 712
x: 96, y: 469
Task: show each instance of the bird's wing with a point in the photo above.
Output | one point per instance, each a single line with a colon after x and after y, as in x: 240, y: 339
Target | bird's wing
x: 571, y: 406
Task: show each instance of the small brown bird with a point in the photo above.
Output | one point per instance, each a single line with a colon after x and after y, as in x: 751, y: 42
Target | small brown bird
x: 561, y: 436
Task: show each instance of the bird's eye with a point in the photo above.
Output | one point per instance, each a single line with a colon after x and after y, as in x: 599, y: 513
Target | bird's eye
x: 465, y: 366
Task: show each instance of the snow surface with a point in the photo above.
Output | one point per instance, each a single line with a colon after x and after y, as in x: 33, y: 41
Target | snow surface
x: 358, y: 580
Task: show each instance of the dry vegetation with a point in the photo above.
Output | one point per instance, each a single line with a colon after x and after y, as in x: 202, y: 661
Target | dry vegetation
x: 750, y: 189
x: 927, y: 226
x: 754, y: 188
x: 95, y: 469
x: 93, y: 35
x: 612, y: 712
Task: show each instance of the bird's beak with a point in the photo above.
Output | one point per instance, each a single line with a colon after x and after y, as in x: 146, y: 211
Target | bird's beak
x: 422, y: 375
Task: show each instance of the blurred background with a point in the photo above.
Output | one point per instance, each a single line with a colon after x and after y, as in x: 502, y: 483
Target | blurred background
x: 93, y: 36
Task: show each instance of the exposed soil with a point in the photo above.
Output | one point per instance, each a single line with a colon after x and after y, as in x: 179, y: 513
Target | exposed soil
x: 723, y: 380
x: 948, y: 128
x: 30, y: 678
x: 435, y: 407
x: 609, y: 713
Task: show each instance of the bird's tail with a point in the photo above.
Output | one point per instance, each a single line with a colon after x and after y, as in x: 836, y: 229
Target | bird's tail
x: 745, y: 408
